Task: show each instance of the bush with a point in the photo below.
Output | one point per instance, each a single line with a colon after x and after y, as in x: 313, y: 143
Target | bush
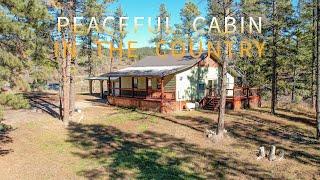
x: 16, y: 101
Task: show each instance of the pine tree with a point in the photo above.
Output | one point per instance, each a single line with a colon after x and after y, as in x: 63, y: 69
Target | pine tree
x: 23, y: 43
x: 89, y: 9
x: 221, y: 9
x: 252, y: 67
x: 162, y: 34
x: 187, y: 15
x: 279, y: 18
x: 66, y: 37
x: 117, y: 35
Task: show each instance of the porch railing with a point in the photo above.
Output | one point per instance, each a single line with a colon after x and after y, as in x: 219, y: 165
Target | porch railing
x: 237, y: 91
x: 142, y: 93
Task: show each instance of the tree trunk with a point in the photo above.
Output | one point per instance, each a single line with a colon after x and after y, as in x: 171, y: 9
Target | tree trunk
x: 293, y: 99
x: 223, y: 96
x: 274, y: 63
x: 60, y: 61
x: 72, y: 93
x: 90, y: 54
x: 313, y: 55
x: 66, y: 87
x: 223, y: 90
x: 111, y: 64
x: 318, y: 70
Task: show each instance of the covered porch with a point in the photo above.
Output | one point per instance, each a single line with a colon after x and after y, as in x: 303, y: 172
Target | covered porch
x: 153, y: 93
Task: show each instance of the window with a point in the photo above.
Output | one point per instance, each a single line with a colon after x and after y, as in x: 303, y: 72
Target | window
x: 149, y: 83
x: 202, y: 86
x: 215, y: 83
x: 135, y: 83
x: 210, y: 84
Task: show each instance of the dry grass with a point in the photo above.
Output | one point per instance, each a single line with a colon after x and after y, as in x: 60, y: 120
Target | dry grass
x: 113, y: 142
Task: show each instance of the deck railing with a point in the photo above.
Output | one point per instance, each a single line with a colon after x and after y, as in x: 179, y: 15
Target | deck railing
x: 142, y: 93
x: 235, y: 92
x: 241, y: 96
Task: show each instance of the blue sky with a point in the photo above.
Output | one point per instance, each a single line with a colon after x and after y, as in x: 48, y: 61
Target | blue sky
x: 150, y: 8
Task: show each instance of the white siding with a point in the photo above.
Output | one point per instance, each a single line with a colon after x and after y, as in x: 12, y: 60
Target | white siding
x: 230, y: 84
x: 183, y: 85
x: 186, y: 84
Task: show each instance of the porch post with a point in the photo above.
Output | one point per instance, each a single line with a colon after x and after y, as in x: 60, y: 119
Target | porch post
x: 146, y: 87
x: 119, y: 86
x: 237, y: 99
x: 109, y: 86
x: 90, y: 87
x: 101, y: 88
x: 162, y: 96
x: 132, y: 86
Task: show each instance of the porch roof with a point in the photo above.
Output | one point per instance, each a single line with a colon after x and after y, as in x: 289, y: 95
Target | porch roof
x: 159, y: 66
x: 148, y: 71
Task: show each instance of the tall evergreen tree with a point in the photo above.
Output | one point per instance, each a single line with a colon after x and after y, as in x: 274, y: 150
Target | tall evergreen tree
x: 117, y: 35
x: 23, y: 43
x: 279, y: 18
x: 161, y: 34
x: 252, y: 67
x: 187, y: 15
x: 89, y: 9
x: 221, y: 9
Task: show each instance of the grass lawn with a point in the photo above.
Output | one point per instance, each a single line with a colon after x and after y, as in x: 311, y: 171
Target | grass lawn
x: 110, y: 142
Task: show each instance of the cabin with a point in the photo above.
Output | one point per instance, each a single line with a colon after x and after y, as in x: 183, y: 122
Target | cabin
x: 167, y: 83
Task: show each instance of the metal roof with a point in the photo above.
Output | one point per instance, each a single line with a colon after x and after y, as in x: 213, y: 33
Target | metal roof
x: 160, y: 66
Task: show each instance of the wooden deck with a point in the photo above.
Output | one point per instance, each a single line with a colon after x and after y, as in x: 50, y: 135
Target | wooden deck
x: 241, y: 98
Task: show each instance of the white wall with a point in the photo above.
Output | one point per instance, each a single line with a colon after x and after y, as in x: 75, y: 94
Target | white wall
x: 230, y: 84
x: 186, y: 84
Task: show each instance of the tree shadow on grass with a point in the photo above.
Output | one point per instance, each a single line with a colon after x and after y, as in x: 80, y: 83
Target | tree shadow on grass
x: 260, y: 131
x: 152, y: 155
x: 44, y: 102
x: 307, y: 114
x: 254, y: 129
x: 305, y: 120
x: 5, y: 138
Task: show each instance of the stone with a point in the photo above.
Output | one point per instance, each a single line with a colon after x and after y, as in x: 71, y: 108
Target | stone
x: 281, y: 154
x: 210, y: 133
x: 225, y: 131
x: 262, y: 153
x: 272, y: 154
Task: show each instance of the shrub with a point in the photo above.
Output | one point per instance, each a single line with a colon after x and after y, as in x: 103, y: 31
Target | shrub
x: 16, y: 101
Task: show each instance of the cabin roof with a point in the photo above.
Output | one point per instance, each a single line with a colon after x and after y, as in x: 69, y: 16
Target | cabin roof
x: 155, y: 66
x: 159, y: 66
